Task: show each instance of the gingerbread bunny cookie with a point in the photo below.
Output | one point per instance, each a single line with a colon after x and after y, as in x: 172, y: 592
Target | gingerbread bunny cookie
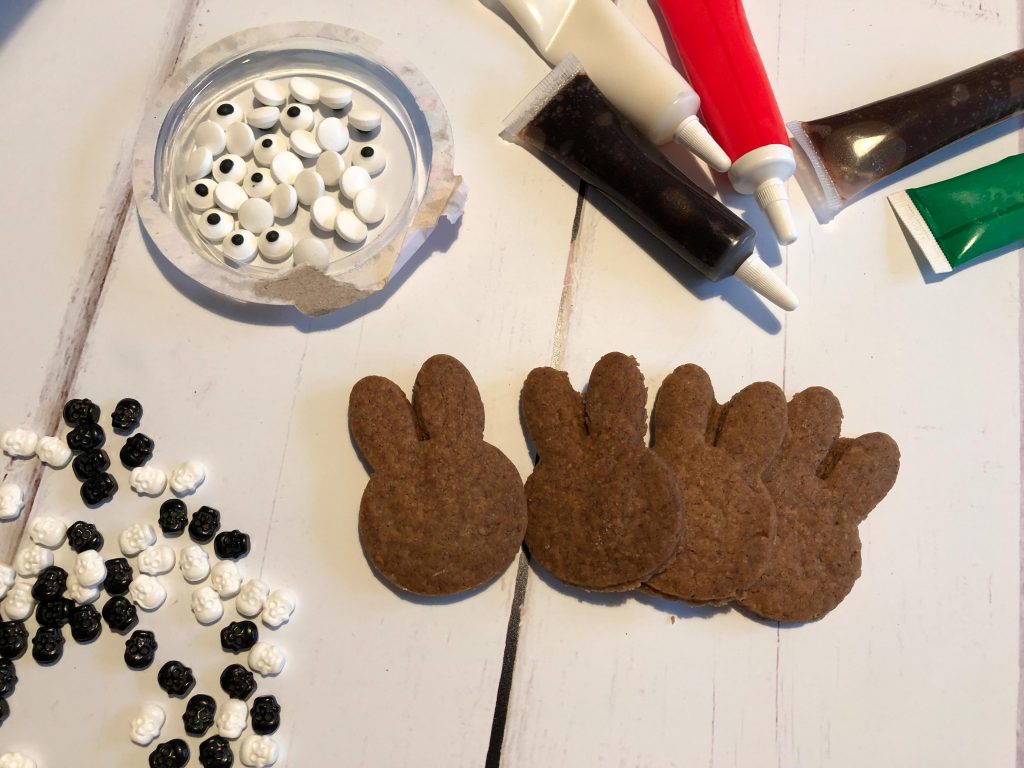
x: 443, y: 512
x: 718, y: 453
x: 605, y: 511
x: 823, y: 486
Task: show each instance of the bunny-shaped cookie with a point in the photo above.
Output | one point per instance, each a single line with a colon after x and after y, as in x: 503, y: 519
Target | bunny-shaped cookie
x: 718, y: 453
x: 605, y: 512
x: 823, y: 486
x: 443, y: 512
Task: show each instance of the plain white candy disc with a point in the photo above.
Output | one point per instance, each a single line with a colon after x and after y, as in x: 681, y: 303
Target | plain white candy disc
x: 305, y: 144
x: 324, y: 211
x: 369, y: 206
x: 304, y: 90
x: 330, y: 166
x: 199, y: 163
x: 239, y: 139
x: 311, y: 252
x: 365, y: 120
x: 229, y: 196
x: 308, y: 186
x: 353, y: 181
x: 331, y: 134
x: 285, y: 167
x: 264, y: 117
x: 349, y: 227
x: 270, y: 93
x: 283, y: 200
x: 336, y: 96
x: 210, y: 135
x: 256, y: 215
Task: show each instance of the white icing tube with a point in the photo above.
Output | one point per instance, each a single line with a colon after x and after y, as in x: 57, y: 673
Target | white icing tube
x: 628, y: 70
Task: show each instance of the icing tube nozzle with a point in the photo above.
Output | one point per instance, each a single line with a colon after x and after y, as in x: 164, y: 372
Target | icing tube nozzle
x: 695, y: 136
x: 756, y: 274
x: 772, y: 197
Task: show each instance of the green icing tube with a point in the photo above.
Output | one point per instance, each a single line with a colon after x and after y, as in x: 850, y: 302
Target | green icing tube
x: 960, y: 219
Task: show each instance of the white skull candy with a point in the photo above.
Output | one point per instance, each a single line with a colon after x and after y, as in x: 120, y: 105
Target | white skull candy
x: 80, y: 593
x: 156, y: 560
x: 19, y: 603
x: 279, y: 607
x: 194, y: 563
x: 258, y: 751
x: 31, y: 560
x: 225, y: 579
x: 20, y: 443
x: 11, y: 501
x: 48, y: 531
x: 89, y: 570
x: 251, y: 598
x: 148, y: 481
x: 145, y: 727
x: 16, y: 760
x: 7, y: 576
x: 266, y: 659
x: 147, y: 592
x: 206, y: 605
x: 231, y: 718
x: 53, y: 451
x: 185, y: 478
x: 136, y: 538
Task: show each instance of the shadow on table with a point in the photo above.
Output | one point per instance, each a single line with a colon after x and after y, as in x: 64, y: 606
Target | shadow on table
x: 439, y: 241
x: 12, y: 16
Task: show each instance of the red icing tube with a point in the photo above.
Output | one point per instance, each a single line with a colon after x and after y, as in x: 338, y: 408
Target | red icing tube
x: 722, y: 63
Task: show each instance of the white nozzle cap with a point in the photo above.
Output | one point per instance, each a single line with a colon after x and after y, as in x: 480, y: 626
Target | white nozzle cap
x: 773, y: 198
x: 691, y: 133
x: 760, y: 278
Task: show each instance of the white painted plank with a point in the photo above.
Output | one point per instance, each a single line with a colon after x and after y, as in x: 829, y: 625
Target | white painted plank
x: 919, y: 665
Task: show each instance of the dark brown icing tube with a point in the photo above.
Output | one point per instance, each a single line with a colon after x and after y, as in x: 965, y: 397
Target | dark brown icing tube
x: 568, y: 119
x: 852, y: 150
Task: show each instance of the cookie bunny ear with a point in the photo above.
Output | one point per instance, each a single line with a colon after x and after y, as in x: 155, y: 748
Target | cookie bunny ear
x: 683, y: 408
x: 553, y: 410
x: 381, y: 421
x: 616, y: 399
x: 814, y: 419
x: 861, y: 471
x: 753, y: 425
x: 447, y: 401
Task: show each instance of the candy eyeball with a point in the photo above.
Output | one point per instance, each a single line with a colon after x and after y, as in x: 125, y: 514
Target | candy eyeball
x: 240, y: 248
x: 332, y: 135
x: 16, y: 760
x: 210, y: 135
x: 275, y: 244
x: 194, y: 563
x: 31, y: 560
x: 279, y: 607
x: 251, y: 598
x: 353, y: 181
x: 231, y: 719
x: 270, y: 93
x: 185, y: 478
x: 229, y: 168
x: 258, y: 751
x: 350, y: 228
x: 266, y: 659
x: 330, y: 165
x: 269, y: 147
x: 136, y: 538
x: 258, y: 184
x: 148, y: 481
x: 239, y: 139
x: 264, y: 118
x: 156, y: 560
x: 90, y: 569
x: 364, y: 120
x: 369, y: 158
x: 335, y: 96
x: 19, y: 603
x: 199, y: 163
x: 200, y: 194
x: 53, y: 452
x: 225, y: 579
x: 147, y: 592
x: 11, y: 501
x: 206, y: 605
x: 226, y: 113
x: 19, y: 443
x: 80, y: 593
x: 296, y: 117
x: 145, y: 727
x: 48, y: 531
x: 215, y: 225
x: 304, y: 90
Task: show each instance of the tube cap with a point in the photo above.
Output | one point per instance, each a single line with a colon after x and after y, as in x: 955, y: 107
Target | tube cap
x: 760, y: 278
x: 773, y: 198
x: 691, y: 133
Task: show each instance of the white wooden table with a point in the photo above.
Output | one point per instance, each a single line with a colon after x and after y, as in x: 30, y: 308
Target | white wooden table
x: 919, y: 667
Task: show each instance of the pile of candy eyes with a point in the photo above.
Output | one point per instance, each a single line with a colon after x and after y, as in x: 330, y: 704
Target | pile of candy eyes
x: 34, y: 585
x: 248, y: 172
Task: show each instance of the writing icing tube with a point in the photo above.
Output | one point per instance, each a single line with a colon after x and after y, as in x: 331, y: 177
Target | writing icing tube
x: 632, y: 74
x: 737, y: 102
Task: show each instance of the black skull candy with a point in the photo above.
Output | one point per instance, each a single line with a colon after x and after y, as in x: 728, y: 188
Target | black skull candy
x: 8, y: 678
x: 85, y: 623
x: 47, y: 645
x: 140, y: 649
x: 81, y: 411
x: 170, y: 754
x: 237, y: 682
x: 13, y: 639
x: 215, y: 752
x: 199, y: 714
x: 239, y: 636
x: 266, y: 715
x: 205, y: 523
x: 50, y: 583
x: 136, y: 451
x: 54, y: 613
x: 231, y: 545
x: 119, y: 576
x: 89, y: 464
x: 86, y: 437
x: 83, y: 536
x: 176, y: 679
x: 99, y: 489
x: 126, y: 415
x: 120, y: 614
x: 173, y: 517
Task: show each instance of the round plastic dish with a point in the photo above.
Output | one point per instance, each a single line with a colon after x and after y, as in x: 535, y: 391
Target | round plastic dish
x: 419, y: 183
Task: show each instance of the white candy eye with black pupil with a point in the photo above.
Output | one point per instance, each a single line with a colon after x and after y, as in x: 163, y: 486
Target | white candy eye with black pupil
x: 215, y: 225
x: 370, y: 159
x: 225, y: 114
x: 200, y: 194
x: 258, y: 184
x: 296, y: 117
x: 269, y: 147
x: 276, y: 244
x: 229, y: 168
x: 240, y: 247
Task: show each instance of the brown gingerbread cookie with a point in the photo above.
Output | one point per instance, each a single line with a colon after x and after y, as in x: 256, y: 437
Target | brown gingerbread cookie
x: 443, y: 512
x: 605, y: 511
x: 718, y: 453
x: 823, y: 486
